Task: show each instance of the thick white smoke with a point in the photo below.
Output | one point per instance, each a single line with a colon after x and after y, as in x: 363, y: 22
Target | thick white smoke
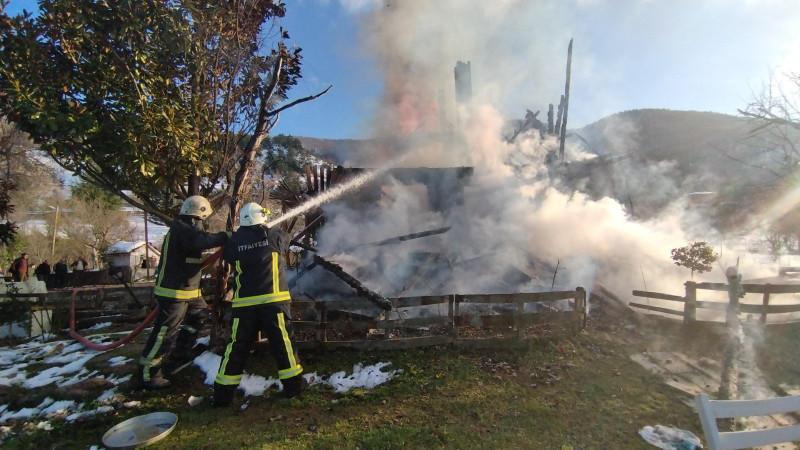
x: 511, y: 217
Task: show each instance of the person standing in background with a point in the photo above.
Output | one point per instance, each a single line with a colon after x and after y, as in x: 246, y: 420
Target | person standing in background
x: 43, y: 271
x: 19, y: 268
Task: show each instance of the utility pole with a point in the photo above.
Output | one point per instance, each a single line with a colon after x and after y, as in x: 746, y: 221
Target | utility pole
x: 55, y: 231
x: 146, y: 249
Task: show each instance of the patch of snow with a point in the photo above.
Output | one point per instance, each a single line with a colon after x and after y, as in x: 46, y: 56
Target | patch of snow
x: 97, y: 326
x: 118, y: 361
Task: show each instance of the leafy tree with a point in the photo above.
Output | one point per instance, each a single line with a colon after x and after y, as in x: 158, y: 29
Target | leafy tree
x: 697, y: 256
x: 12, y: 250
x: 285, y: 154
x: 160, y: 99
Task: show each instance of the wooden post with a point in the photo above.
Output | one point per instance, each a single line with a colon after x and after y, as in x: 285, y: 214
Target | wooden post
x: 690, y: 305
x: 451, y: 313
x: 309, y: 184
x: 729, y: 378
x: 518, y: 320
x: 765, y: 302
x: 582, y: 307
x: 146, y: 248
x: 322, y: 317
x: 563, y: 135
x: 456, y: 313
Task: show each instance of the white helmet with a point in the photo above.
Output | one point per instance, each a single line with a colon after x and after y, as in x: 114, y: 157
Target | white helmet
x: 196, y: 206
x: 253, y: 214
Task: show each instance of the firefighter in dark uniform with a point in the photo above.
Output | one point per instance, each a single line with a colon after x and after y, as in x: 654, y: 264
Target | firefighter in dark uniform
x: 260, y: 303
x: 177, y: 290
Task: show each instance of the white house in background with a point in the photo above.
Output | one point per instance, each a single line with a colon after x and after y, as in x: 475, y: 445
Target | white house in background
x: 132, y: 254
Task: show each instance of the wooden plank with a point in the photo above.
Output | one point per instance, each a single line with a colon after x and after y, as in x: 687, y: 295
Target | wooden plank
x: 707, y: 420
x: 659, y: 296
x: 390, y: 344
x: 555, y: 318
x: 366, y: 325
x: 513, y: 319
x: 715, y: 306
x: 342, y: 304
x: 404, y: 302
x: 657, y: 309
x: 493, y: 321
x: 754, y: 288
x: 713, y: 286
x: 711, y: 410
x: 519, y: 298
x: 773, y: 288
x: 777, y: 309
x: 758, y: 438
x: 415, y: 322
x: 750, y: 308
x: 744, y: 408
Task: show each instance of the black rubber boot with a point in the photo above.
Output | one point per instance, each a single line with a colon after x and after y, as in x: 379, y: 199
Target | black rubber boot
x: 293, y: 387
x: 223, y: 395
x: 156, y: 381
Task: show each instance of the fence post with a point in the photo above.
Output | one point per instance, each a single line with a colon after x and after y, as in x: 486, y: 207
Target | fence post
x: 518, y: 320
x: 729, y: 378
x: 322, y: 317
x: 456, y: 311
x: 765, y: 302
x: 582, y: 307
x: 690, y: 305
x: 450, y: 314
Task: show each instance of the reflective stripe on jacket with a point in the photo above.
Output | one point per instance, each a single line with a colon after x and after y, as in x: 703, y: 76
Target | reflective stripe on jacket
x: 179, y: 269
x: 256, y: 254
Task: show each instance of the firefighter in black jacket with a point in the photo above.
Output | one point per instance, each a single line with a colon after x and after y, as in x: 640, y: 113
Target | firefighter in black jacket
x: 177, y: 290
x: 260, y: 303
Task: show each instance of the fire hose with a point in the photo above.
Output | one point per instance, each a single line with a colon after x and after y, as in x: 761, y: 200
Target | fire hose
x: 150, y: 317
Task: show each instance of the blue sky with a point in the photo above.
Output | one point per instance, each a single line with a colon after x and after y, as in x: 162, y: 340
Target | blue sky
x: 706, y: 55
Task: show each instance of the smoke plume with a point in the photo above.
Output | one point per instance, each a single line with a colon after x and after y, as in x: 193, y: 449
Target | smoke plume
x: 515, y: 225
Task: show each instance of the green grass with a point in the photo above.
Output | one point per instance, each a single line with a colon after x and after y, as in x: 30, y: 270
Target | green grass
x: 564, y: 392
x: 561, y: 392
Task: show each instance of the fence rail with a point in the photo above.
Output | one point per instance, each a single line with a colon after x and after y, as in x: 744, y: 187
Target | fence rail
x: 690, y: 303
x: 502, y: 318
x: 509, y: 313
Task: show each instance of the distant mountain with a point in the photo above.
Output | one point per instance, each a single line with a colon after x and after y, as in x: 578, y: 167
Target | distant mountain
x: 697, y: 141
x: 656, y: 155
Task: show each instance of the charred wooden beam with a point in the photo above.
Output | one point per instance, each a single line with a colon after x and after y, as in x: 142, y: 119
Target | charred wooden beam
x: 408, y: 237
x: 337, y: 270
x: 566, y: 104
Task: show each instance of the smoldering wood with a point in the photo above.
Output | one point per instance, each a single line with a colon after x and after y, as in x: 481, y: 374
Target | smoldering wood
x: 558, y: 116
x: 409, y: 237
x: 337, y: 270
x: 563, y: 133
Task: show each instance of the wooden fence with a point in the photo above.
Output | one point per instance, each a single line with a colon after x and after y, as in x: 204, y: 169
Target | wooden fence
x: 489, y: 321
x: 501, y: 320
x: 691, y: 304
